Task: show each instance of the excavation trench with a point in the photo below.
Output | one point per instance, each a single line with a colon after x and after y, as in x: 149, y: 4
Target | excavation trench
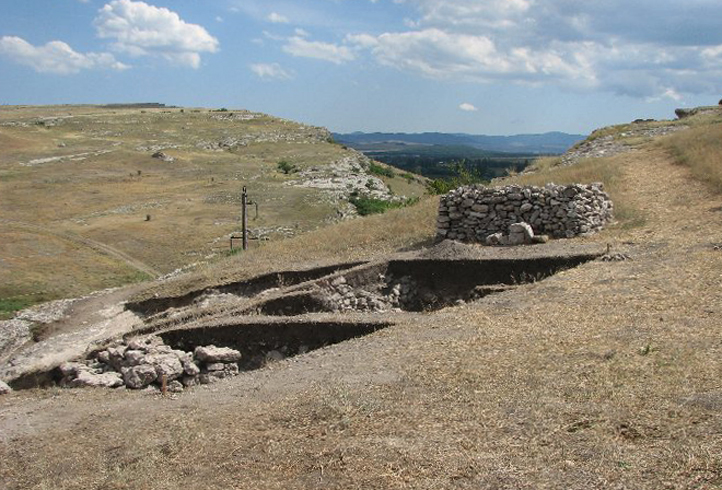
x: 415, y: 285
x: 412, y: 285
x: 246, y: 289
x: 260, y: 343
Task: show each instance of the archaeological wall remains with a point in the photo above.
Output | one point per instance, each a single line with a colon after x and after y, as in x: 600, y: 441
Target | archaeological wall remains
x: 485, y: 214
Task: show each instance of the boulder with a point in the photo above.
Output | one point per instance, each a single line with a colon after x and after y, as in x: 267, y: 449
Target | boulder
x: 211, y: 353
x: 4, y: 388
x: 520, y: 234
x: 494, y: 239
x: 72, y: 369
x: 140, y: 376
x: 133, y: 357
x: 165, y: 364
x: 117, y: 356
x: 189, y: 367
x: 175, y: 386
x: 215, y: 366
x: 103, y: 380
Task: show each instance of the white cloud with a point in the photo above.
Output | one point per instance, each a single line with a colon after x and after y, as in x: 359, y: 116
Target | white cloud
x: 649, y: 48
x: 140, y: 29
x: 55, y: 57
x: 219, y: 18
x: 270, y: 71
x: 277, y: 18
x: 466, y: 107
x: 298, y: 46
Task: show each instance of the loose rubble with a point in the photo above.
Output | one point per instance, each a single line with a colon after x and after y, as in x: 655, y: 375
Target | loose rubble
x: 141, y: 363
x: 484, y: 215
x: 388, y: 294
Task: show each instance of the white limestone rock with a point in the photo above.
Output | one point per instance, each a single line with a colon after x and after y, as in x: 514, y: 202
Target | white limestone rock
x: 140, y: 376
x: 104, y: 380
x: 211, y: 353
x: 4, y: 388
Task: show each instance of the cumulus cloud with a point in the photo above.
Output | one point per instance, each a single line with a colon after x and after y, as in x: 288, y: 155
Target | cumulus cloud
x: 299, y: 46
x: 55, y: 57
x: 139, y: 29
x: 277, y: 18
x: 270, y: 71
x: 659, y: 48
x: 466, y: 107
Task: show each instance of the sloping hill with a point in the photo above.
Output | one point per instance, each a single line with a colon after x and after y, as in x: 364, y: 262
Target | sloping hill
x: 94, y: 197
x: 602, y: 376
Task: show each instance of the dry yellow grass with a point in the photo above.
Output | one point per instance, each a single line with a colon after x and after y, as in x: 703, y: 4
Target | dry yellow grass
x: 107, y: 184
x: 699, y: 148
x: 603, y: 376
x: 360, y: 239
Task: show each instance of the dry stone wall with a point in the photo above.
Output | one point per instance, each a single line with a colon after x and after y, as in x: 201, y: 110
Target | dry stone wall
x: 475, y: 213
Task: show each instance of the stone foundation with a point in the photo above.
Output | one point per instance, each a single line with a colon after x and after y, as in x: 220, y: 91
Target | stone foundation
x: 473, y: 213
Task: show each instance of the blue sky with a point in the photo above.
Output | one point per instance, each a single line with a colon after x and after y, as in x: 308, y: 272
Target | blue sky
x: 474, y: 66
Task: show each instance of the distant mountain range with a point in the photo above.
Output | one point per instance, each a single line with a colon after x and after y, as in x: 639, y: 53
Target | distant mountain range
x: 546, y: 143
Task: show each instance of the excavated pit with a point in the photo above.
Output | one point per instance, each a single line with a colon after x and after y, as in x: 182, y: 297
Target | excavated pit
x: 411, y: 285
x: 261, y: 342
x: 245, y: 289
x: 415, y: 285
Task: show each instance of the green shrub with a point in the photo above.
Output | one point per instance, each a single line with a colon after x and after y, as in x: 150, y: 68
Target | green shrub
x: 8, y: 306
x: 368, y: 205
x: 463, y: 175
x: 287, y: 167
x: 377, y: 169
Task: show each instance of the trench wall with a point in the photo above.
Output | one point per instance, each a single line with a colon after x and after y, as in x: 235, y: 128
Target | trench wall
x: 472, y: 213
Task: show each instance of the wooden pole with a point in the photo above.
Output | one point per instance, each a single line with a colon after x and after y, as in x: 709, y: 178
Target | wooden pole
x: 244, y: 217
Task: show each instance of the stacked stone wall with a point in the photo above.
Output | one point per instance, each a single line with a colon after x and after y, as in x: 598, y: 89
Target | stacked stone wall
x: 473, y: 213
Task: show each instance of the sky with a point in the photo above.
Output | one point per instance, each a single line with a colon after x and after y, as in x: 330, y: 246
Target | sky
x: 474, y: 66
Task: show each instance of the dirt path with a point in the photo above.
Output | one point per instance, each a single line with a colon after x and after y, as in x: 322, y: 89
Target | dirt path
x: 99, y: 247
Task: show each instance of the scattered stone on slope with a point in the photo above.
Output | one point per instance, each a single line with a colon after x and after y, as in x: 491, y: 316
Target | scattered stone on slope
x: 163, y: 156
x: 607, y: 146
x: 146, y: 362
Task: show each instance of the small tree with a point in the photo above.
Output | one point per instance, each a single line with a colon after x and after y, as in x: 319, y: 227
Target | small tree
x: 286, y: 167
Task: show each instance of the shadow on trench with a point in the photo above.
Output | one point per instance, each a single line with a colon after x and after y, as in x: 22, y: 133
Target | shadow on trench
x: 259, y: 343
x: 415, y: 285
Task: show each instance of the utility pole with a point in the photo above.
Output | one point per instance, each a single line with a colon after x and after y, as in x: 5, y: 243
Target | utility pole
x: 244, y: 217
x: 244, y: 220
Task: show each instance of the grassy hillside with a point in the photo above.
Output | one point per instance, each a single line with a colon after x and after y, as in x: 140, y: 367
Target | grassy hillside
x: 84, y: 205
x: 602, y: 376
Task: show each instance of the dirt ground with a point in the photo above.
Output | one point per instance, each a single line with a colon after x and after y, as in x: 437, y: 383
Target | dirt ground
x: 602, y: 376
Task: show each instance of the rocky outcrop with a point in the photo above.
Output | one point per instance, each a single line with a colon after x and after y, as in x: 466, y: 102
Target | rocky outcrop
x: 474, y: 213
x: 683, y: 113
x: 141, y: 363
x: 613, y: 144
x: 163, y: 156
